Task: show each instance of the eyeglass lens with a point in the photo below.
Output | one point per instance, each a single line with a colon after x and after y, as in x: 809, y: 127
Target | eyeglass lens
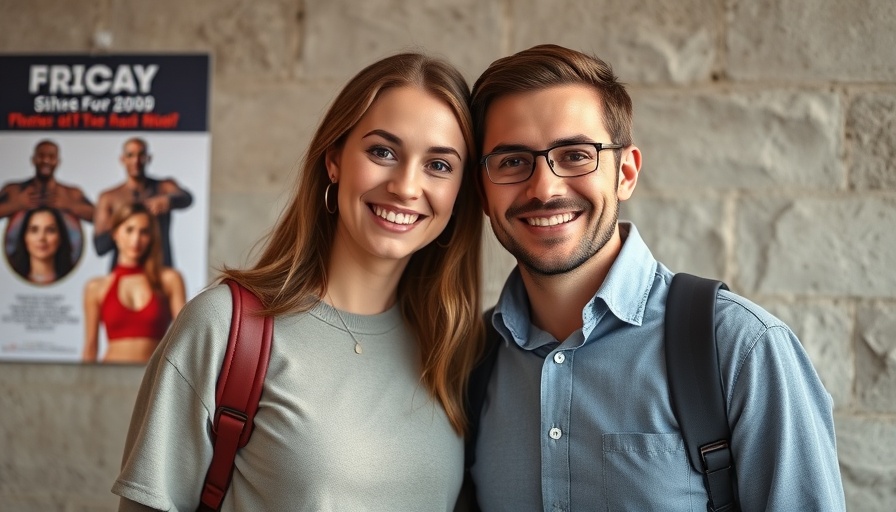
x: 570, y: 160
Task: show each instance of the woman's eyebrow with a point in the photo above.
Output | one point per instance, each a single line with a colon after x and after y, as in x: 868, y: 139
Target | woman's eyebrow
x: 395, y: 139
x: 391, y: 137
x: 445, y: 150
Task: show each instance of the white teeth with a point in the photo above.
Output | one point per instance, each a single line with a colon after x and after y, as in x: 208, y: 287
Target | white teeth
x: 553, y: 220
x: 396, y: 218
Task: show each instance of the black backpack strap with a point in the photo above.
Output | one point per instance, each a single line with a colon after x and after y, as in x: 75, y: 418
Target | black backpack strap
x: 238, y: 391
x: 477, y: 387
x: 695, y: 385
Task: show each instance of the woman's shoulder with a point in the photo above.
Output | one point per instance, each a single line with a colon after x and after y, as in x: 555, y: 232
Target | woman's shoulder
x: 170, y: 275
x: 212, y: 304
x: 97, y: 287
x: 200, y: 330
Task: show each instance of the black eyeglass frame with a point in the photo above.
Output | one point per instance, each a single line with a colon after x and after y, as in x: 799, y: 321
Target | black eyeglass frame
x: 598, y: 146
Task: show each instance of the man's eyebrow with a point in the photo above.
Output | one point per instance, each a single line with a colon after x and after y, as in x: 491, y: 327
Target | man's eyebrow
x: 510, y: 147
x: 574, y: 139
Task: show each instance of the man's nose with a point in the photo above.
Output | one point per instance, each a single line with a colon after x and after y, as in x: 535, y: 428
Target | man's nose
x: 544, y: 184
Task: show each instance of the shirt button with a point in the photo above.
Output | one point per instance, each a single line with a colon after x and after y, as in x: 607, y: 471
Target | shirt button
x: 559, y: 358
x: 555, y: 433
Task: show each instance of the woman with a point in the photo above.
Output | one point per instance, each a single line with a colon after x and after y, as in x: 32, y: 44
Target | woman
x: 138, y: 300
x: 372, y: 275
x: 43, y: 250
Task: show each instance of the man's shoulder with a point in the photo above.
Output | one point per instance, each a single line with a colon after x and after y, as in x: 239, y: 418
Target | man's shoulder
x: 738, y: 320
x: 742, y: 326
x: 732, y: 308
x: 69, y: 188
x: 735, y: 308
x: 111, y: 192
x: 17, y: 185
x: 162, y: 182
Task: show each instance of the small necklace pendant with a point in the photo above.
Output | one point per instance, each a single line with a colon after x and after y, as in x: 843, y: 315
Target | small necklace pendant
x: 358, y: 348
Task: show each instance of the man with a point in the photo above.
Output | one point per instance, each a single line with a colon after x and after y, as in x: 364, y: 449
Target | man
x: 159, y: 197
x: 43, y: 189
x: 577, y: 414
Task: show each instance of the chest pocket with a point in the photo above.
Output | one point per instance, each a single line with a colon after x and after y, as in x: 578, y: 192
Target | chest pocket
x: 650, y: 472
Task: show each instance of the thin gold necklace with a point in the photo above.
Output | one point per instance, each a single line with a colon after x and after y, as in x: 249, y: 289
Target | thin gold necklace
x: 358, y: 349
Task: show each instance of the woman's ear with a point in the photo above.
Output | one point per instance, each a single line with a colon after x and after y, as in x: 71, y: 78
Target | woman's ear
x: 332, y: 161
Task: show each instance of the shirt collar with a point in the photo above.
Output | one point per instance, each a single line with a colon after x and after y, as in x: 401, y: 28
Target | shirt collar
x: 628, y: 283
x: 624, y: 293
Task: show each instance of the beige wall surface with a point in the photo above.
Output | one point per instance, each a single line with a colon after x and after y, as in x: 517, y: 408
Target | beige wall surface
x: 768, y: 129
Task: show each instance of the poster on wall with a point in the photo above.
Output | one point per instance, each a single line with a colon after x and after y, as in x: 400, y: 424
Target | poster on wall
x: 104, y: 178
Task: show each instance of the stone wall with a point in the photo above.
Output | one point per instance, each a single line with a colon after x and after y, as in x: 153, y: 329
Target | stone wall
x: 769, y: 136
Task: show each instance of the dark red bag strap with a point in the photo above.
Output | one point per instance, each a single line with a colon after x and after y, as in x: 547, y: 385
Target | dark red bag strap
x: 238, y: 391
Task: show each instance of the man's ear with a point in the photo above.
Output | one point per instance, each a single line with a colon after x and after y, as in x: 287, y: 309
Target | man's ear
x: 629, y: 169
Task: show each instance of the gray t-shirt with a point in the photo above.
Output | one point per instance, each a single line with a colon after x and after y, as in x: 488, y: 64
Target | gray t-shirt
x: 334, y: 430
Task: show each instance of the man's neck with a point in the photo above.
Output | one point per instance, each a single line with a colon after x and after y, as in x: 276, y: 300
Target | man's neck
x: 44, y: 181
x: 136, y: 182
x: 556, y: 302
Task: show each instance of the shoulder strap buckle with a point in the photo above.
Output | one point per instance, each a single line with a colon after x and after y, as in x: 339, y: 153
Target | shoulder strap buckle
x: 227, y: 411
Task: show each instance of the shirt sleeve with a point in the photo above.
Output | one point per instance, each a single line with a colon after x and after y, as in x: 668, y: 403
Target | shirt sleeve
x: 781, y: 420
x: 169, y: 447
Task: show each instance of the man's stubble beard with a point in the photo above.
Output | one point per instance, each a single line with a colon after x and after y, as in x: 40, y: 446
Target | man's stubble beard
x: 600, y: 235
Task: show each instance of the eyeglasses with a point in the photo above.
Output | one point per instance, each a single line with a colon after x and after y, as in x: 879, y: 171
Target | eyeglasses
x: 565, y: 160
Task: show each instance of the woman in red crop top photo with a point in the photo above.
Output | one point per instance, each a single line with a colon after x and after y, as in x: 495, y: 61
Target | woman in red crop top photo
x: 139, y: 299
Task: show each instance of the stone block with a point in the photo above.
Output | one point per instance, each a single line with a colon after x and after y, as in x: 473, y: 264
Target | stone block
x: 260, y: 135
x: 48, y: 25
x: 685, y: 234
x: 871, y: 141
x: 812, y: 41
x: 825, y: 330
x: 255, y: 40
x: 817, y: 246
x: 867, y: 462
x: 64, y: 425
x: 770, y: 139
x: 344, y: 36
x: 645, y: 41
x: 876, y: 358
x: 239, y: 225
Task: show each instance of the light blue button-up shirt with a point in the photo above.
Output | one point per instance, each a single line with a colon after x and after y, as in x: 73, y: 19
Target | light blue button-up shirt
x: 587, y: 423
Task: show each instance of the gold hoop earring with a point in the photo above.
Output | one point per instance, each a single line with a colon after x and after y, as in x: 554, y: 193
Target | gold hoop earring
x: 327, y: 198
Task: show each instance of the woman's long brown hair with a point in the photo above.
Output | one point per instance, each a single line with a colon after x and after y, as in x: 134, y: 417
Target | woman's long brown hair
x: 438, y: 293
